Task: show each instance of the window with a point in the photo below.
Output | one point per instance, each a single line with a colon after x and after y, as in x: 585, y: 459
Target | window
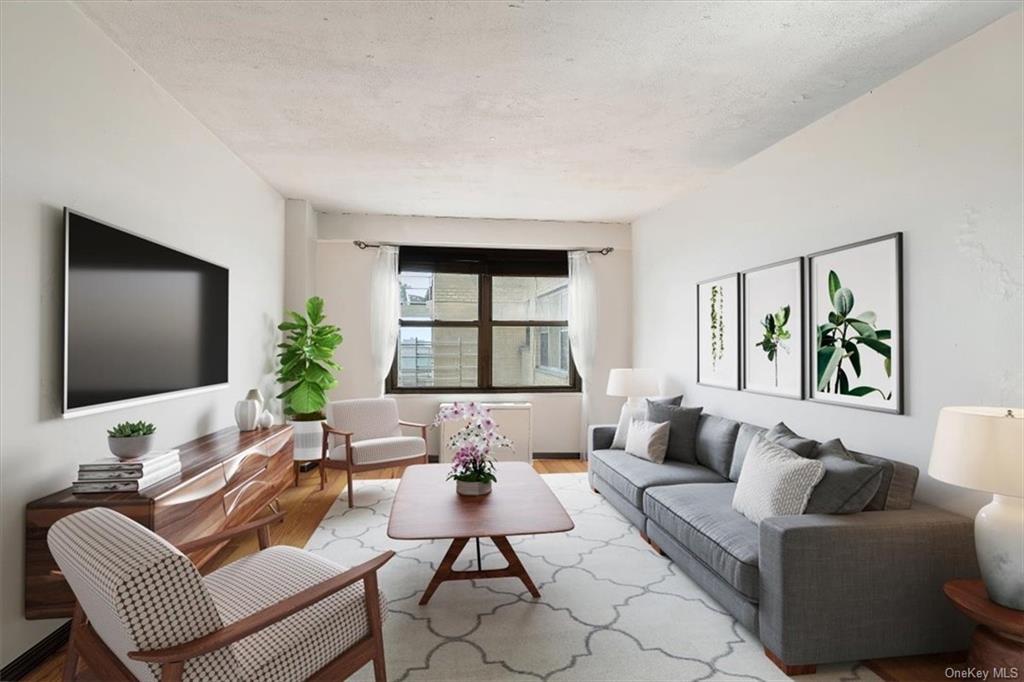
x: 483, y: 320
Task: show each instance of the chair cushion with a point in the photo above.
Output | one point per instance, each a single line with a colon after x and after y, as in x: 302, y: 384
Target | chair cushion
x: 701, y: 518
x: 630, y: 475
x: 716, y: 439
x: 139, y: 592
x: 376, y: 450
x: 301, y: 644
x: 366, y: 418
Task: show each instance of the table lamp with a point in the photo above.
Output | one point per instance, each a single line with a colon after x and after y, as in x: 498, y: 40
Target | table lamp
x: 632, y: 384
x: 983, y: 448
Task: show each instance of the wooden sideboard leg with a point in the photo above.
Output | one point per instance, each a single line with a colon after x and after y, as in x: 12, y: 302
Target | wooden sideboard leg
x: 791, y: 670
x: 295, y: 470
x: 71, y: 657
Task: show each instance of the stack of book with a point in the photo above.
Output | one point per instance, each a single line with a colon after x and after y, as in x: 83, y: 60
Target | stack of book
x: 113, y: 475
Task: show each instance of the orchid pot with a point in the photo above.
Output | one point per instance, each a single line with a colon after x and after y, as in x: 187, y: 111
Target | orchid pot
x: 473, y: 469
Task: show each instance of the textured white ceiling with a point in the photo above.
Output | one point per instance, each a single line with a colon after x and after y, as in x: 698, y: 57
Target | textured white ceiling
x: 543, y: 110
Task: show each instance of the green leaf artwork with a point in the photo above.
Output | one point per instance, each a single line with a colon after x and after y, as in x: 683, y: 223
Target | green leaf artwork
x: 775, y: 336
x: 845, y: 340
x: 307, y: 363
x: 717, y: 324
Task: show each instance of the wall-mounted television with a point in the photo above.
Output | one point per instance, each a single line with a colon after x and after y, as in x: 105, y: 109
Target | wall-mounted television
x: 142, y: 320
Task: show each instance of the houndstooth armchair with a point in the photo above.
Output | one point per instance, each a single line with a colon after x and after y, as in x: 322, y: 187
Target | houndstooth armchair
x: 372, y: 438
x: 144, y: 612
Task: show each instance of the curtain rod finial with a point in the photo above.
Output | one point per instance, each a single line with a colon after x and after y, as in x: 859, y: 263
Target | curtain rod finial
x: 360, y: 243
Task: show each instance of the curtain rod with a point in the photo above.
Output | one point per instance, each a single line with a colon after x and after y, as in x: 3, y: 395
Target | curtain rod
x: 603, y: 251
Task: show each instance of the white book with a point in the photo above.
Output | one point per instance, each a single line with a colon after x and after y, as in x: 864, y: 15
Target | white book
x: 150, y: 461
x: 124, y: 486
x: 171, y: 467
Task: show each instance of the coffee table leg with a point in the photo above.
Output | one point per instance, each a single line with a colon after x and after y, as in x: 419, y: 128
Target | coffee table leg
x: 514, y: 564
x: 445, y: 569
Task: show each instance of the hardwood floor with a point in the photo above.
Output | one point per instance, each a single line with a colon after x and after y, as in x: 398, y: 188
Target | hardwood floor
x: 305, y: 505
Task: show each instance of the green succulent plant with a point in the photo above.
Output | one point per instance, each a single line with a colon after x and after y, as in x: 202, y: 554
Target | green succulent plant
x: 131, y: 430
x: 307, y: 361
x: 844, y: 339
x: 775, y: 335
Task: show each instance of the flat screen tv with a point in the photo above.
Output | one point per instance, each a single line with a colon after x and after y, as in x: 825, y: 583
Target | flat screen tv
x: 141, y: 320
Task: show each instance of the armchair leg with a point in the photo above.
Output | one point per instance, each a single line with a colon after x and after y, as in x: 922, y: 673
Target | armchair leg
x: 71, y: 657
x: 171, y: 672
x: 323, y: 474
x: 348, y: 475
x: 373, y: 616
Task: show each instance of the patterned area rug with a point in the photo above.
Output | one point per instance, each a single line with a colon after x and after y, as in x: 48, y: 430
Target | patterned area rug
x: 610, y: 608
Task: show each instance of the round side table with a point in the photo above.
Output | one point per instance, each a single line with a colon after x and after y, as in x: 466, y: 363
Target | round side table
x: 997, y: 644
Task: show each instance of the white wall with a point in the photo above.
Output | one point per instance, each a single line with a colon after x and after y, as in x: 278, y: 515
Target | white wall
x: 343, y: 275
x: 84, y: 126
x: 936, y: 153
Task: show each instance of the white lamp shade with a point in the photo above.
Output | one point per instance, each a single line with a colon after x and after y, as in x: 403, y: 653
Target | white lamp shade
x: 980, y: 448
x: 632, y: 383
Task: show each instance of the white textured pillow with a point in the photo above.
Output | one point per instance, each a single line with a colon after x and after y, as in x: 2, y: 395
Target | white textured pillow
x: 648, y: 440
x: 774, y: 481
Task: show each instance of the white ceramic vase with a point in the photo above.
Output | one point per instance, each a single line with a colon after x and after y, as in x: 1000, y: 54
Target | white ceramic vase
x: 307, y: 440
x: 472, y: 488
x: 247, y: 415
x: 254, y: 394
x: 266, y: 419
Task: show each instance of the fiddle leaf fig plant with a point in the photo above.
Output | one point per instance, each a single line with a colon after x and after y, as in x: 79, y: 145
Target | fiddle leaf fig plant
x: 843, y: 342
x: 307, y: 365
x: 775, y: 336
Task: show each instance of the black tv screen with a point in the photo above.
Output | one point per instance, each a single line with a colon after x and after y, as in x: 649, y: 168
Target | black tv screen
x: 140, y: 319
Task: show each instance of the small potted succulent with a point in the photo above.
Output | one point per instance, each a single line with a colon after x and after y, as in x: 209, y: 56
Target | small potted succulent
x: 129, y: 440
x: 473, y: 468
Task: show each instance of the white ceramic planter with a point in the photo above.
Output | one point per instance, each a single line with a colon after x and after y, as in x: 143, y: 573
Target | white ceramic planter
x: 472, y: 488
x: 131, y: 447
x: 307, y: 439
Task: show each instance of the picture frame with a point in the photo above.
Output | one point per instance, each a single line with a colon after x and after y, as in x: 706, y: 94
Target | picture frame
x: 855, y: 325
x: 773, y: 329
x: 719, y: 332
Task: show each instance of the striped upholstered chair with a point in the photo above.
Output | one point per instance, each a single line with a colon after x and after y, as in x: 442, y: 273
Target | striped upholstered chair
x: 366, y: 434
x: 144, y: 612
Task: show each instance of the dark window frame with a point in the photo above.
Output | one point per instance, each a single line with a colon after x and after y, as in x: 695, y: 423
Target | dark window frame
x: 486, y: 264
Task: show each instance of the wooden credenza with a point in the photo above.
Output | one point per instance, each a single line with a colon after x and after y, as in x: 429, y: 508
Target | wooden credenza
x: 226, y: 478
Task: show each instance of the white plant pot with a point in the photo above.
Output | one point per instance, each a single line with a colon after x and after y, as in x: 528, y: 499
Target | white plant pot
x: 131, y: 447
x: 247, y: 415
x: 307, y: 440
x: 471, y: 488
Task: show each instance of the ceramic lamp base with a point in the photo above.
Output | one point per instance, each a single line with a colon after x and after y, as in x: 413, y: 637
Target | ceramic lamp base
x: 999, y: 541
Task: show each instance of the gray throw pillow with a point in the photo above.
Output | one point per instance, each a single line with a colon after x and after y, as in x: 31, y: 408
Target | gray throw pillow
x: 781, y: 434
x: 627, y: 415
x: 716, y: 439
x: 848, y: 485
x: 682, y: 430
x: 744, y: 438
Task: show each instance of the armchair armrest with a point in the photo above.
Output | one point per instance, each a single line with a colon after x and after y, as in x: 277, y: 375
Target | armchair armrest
x: 600, y: 436
x: 266, y: 617
x: 422, y: 427
x: 328, y: 429
x: 259, y: 525
x: 861, y: 586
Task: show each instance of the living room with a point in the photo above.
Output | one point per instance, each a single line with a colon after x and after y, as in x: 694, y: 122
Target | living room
x: 711, y: 311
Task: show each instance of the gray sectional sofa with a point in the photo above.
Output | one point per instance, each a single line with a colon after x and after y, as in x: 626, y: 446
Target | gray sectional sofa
x: 815, y: 588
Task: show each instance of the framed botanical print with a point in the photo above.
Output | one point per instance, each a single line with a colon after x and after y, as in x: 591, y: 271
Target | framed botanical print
x: 718, y: 332
x: 855, y: 301
x: 773, y: 329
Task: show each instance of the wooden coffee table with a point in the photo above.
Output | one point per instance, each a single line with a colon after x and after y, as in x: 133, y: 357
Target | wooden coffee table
x: 426, y: 507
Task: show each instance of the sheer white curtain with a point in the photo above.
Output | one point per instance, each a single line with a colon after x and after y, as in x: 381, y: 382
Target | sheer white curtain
x: 582, y: 326
x: 385, y: 307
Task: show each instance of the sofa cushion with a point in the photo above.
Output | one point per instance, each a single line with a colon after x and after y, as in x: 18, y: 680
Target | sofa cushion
x: 647, y: 440
x: 682, y: 436
x: 848, y: 485
x: 780, y: 434
x: 630, y: 475
x: 716, y: 439
x: 701, y: 518
x: 743, y: 439
x: 775, y: 481
x: 899, y: 480
x: 631, y: 412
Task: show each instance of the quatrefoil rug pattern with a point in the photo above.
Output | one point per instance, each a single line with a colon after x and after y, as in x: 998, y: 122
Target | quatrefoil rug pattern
x: 610, y: 608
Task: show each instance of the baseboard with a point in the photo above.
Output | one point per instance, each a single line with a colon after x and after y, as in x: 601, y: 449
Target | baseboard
x: 20, y: 667
x: 556, y: 455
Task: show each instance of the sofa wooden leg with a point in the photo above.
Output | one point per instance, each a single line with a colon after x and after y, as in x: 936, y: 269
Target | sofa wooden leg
x: 654, y: 546
x: 595, y: 490
x: 791, y: 670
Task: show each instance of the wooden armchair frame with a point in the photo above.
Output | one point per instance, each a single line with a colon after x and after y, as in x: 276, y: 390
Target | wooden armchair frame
x: 351, y: 468
x: 87, y: 645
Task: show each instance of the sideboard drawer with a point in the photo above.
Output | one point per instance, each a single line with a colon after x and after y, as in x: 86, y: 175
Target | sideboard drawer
x: 192, y: 510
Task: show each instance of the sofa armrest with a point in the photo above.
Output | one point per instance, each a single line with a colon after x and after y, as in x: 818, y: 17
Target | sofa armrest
x: 860, y: 586
x: 600, y: 436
